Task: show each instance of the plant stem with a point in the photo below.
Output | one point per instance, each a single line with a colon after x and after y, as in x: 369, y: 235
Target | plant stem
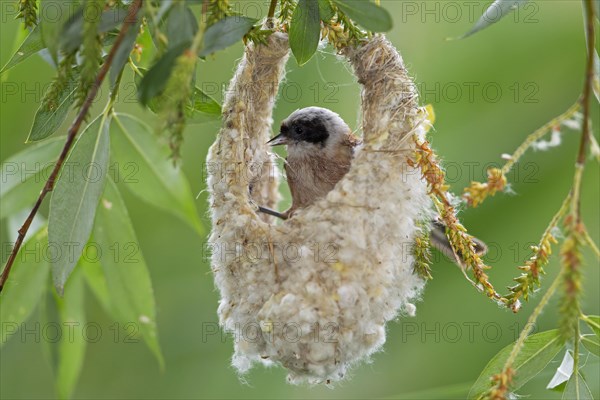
x: 585, y: 98
x: 537, y: 135
x: 576, y: 357
x: 531, y: 323
x: 71, y: 135
x: 198, y: 38
x: 590, y: 242
x: 589, y: 78
x: 135, y: 68
x: 272, y: 7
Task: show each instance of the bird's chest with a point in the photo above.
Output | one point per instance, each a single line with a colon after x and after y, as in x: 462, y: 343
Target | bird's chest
x: 311, y: 177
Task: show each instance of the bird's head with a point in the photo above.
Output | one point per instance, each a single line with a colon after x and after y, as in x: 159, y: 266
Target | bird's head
x: 311, y: 128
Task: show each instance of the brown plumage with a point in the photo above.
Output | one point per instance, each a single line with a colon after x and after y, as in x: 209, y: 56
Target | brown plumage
x: 320, y: 148
x: 311, y: 175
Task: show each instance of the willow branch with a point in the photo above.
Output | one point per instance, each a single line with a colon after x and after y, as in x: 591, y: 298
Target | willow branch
x: 272, y: 6
x: 503, y: 380
x: 587, y: 90
x: 71, y: 135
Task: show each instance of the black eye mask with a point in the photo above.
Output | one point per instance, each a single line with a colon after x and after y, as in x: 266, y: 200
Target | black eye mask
x: 309, y: 130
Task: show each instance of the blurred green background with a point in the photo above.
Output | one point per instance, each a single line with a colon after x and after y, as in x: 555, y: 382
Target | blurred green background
x: 489, y: 91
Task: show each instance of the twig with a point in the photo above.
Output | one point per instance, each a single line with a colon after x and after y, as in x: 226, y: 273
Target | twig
x: 537, y: 135
x: 71, y: 135
x: 504, y: 379
x: 272, y: 7
x: 587, y: 90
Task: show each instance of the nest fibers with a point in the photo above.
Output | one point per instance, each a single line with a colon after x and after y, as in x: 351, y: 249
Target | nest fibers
x: 314, y: 292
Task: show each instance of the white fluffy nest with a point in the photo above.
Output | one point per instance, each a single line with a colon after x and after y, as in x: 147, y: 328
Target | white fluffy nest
x: 314, y: 293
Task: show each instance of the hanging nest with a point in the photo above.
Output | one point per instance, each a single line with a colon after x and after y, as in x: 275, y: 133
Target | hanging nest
x: 314, y: 293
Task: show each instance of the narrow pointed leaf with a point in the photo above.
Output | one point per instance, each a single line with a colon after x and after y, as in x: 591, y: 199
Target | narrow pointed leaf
x: 369, y: 15
x: 75, y: 198
x: 53, y: 16
x: 225, y: 33
x: 326, y: 11
x: 22, y: 176
x: 145, y: 168
x: 181, y: 25
x: 205, y: 104
x: 202, y: 106
x: 25, y: 287
x: 494, y: 13
x: 577, y: 389
x: 593, y: 321
x: 71, y: 348
x: 123, y: 52
x: 47, y: 315
x: 20, y: 38
x: 127, y: 277
x: 165, y: 7
x: 155, y: 80
x: 47, y: 121
x: 592, y: 344
x: 305, y: 30
x: 32, y: 44
x: 71, y: 35
x: 94, y: 277
x: 537, y: 352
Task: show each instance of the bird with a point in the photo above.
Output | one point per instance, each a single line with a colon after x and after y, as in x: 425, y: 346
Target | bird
x: 320, y: 149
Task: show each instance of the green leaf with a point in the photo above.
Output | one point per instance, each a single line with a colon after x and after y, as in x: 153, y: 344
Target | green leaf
x: 201, y: 102
x: 123, y: 52
x: 226, y: 32
x: 20, y: 38
x: 593, y: 321
x: 371, y: 16
x: 537, y: 351
x: 145, y: 169
x: 577, y: 389
x: 94, y: 276
x: 494, y: 13
x: 32, y: 45
x: 181, y: 25
x: 53, y: 15
x: 305, y: 30
x: 204, y: 103
x: 155, y: 80
x: 23, y: 175
x: 48, y: 316
x: 25, y: 287
x: 71, y: 351
x: 326, y: 11
x: 75, y: 198
x: 165, y: 7
x: 592, y: 344
x: 47, y: 121
x: 71, y: 35
x: 127, y: 277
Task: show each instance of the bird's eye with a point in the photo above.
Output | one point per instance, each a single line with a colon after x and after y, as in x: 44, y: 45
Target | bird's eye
x: 299, y: 130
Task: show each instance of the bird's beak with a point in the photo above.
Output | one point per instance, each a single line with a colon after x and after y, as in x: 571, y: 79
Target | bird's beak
x: 278, y: 140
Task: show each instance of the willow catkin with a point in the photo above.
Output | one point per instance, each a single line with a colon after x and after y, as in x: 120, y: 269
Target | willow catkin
x: 314, y: 293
